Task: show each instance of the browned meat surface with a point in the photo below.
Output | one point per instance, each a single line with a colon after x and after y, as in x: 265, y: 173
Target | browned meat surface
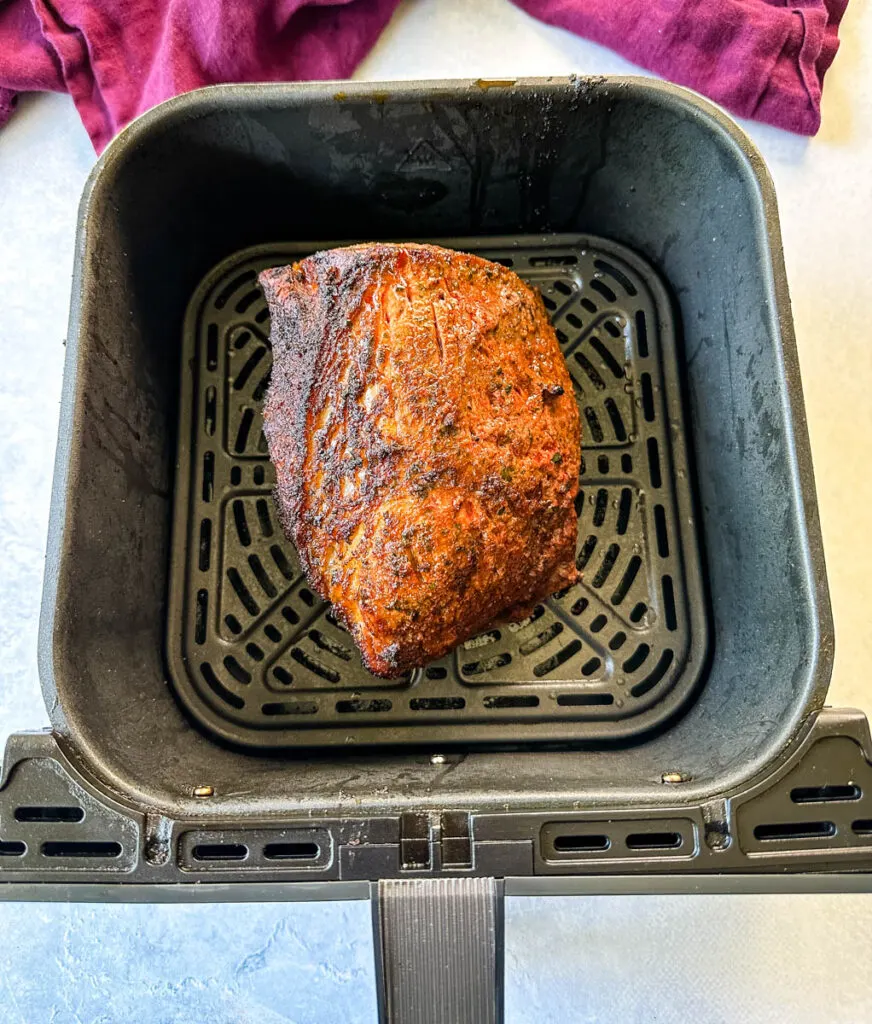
x: 426, y: 442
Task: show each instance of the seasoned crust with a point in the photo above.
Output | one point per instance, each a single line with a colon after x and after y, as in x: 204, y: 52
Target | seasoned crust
x: 426, y: 442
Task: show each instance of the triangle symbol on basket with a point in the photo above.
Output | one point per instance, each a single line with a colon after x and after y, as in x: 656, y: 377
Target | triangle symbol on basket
x: 422, y: 157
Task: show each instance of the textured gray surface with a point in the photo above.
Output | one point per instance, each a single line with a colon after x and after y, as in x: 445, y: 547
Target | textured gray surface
x: 226, y: 964
x: 629, y: 959
x: 710, y: 959
x: 45, y: 157
x: 706, y: 959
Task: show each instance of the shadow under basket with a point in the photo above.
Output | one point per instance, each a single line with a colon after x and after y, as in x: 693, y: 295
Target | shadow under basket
x: 648, y: 222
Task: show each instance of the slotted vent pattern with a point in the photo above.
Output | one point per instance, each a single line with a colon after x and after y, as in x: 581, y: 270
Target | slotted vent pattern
x: 255, y: 646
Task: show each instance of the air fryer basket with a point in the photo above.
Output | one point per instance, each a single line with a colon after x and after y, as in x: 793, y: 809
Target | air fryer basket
x: 643, y: 174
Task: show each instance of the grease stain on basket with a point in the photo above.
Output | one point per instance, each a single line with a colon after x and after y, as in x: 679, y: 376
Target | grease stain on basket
x: 495, y: 83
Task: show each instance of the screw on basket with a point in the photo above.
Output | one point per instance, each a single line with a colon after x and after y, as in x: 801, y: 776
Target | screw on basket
x: 673, y: 778
x: 438, y: 759
x: 202, y: 792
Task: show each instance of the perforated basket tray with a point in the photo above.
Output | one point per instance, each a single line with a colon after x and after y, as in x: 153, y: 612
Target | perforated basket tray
x: 258, y: 659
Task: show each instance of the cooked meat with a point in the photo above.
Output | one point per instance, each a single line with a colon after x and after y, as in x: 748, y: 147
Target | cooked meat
x: 426, y: 442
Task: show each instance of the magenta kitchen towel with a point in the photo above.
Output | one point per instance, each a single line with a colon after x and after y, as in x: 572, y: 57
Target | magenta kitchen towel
x: 764, y: 59
x: 118, y: 58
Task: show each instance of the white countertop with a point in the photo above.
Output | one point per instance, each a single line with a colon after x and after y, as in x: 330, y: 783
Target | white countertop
x: 824, y: 188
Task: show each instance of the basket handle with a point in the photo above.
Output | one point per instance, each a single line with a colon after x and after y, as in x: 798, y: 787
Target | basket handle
x: 439, y: 950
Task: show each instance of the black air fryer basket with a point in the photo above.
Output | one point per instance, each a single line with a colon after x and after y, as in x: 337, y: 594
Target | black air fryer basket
x: 213, y: 723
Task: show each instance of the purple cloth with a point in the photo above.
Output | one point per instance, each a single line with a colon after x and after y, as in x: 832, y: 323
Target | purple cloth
x: 118, y: 58
x: 764, y: 59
